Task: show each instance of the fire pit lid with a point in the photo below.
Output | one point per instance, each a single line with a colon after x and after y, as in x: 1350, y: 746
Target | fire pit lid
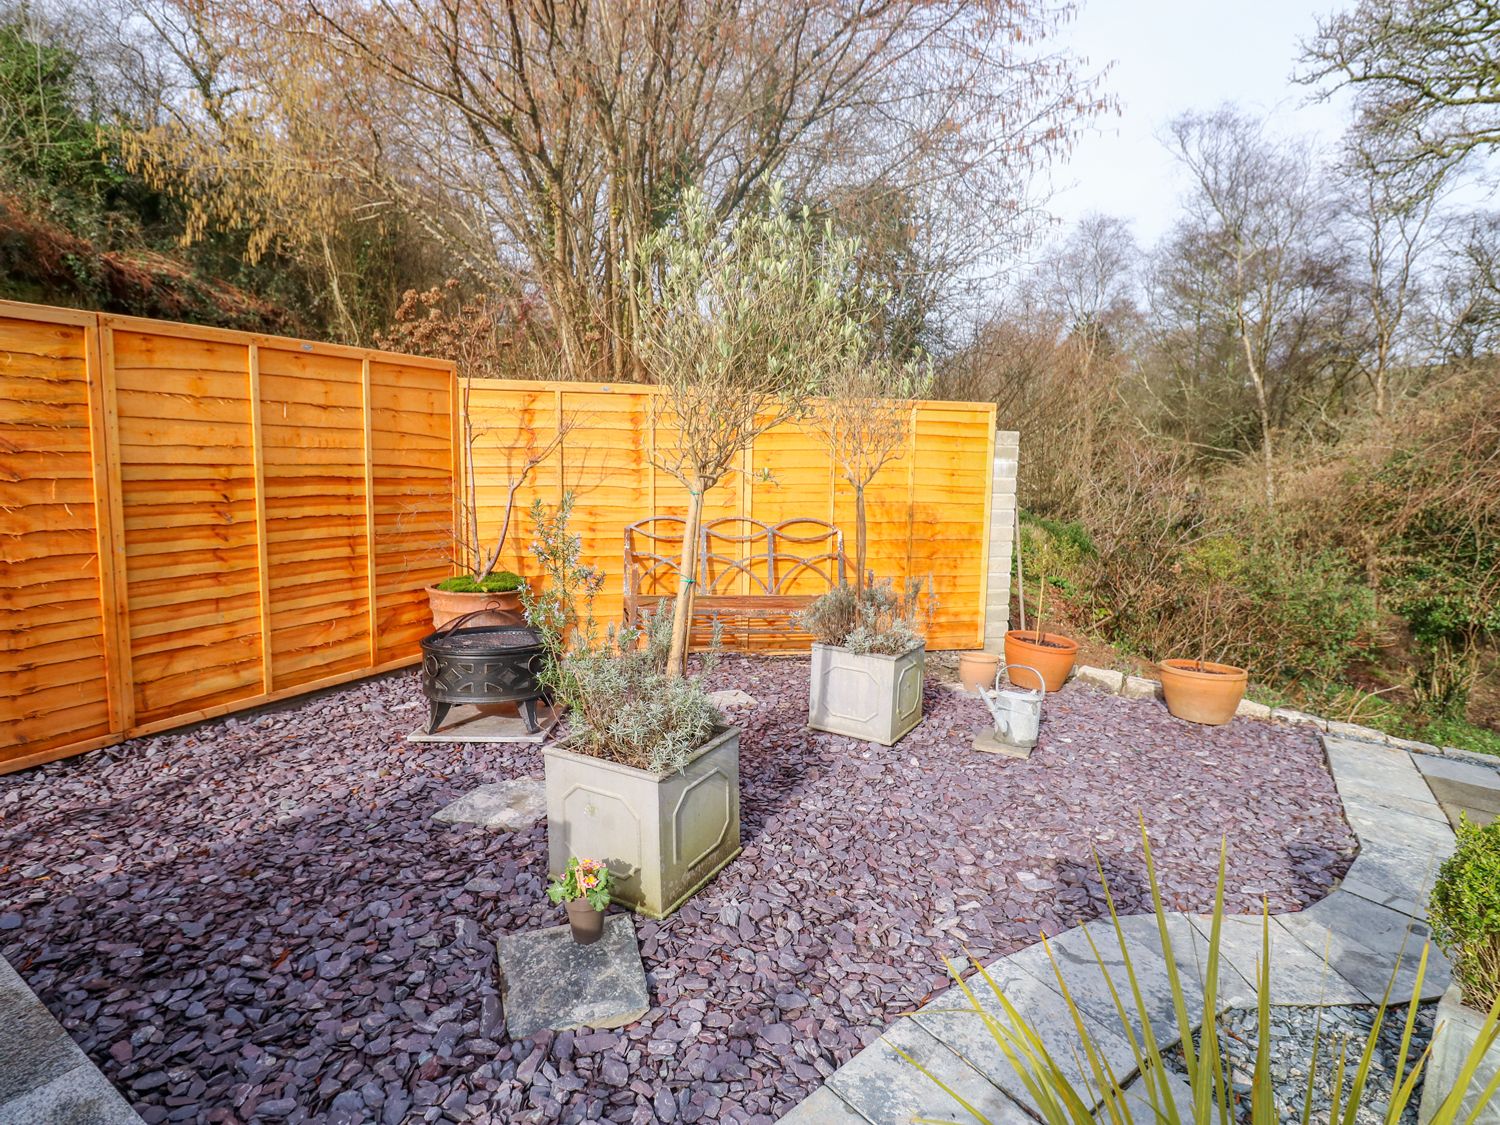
x: 482, y: 640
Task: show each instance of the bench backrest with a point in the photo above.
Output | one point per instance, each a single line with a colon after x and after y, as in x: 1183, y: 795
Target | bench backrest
x: 736, y: 556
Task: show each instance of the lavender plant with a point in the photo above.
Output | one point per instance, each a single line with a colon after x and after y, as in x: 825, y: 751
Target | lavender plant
x: 627, y: 707
x: 874, y: 619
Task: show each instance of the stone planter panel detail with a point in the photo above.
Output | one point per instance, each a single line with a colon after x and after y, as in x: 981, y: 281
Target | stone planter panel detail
x: 864, y: 695
x: 663, y: 836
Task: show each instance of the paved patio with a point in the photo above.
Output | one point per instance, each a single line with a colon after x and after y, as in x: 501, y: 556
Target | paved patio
x: 260, y: 918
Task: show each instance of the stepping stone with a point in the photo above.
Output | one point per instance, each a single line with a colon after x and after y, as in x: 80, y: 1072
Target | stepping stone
x: 1462, y: 787
x: 1364, y: 943
x: 547, y: 980
x: 885, y: 1089
x: 490, y: 723
x: 987, y: 741
x: 727, y: 699
x: 514, y: 805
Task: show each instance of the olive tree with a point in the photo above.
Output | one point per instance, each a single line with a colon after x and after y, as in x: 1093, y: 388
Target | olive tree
x: 742, y: 324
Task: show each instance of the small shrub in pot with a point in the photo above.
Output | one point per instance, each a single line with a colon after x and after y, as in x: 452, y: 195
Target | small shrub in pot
x: 648, y: 778
x: 867, y: 659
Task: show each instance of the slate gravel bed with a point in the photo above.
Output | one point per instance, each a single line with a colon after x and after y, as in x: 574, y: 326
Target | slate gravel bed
x: 258, y: 919
x: 1336, y: 1031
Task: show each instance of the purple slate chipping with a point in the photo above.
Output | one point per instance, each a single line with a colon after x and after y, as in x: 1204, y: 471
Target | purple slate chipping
x: 263, y: 909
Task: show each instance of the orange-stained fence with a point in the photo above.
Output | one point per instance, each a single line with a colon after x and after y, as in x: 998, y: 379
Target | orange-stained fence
x: 194, y: 521
x: 928, y: 510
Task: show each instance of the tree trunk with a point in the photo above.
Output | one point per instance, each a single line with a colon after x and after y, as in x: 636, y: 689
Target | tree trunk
x: 1263, y: 406
x: 860, y: 539
x: 687, y: 575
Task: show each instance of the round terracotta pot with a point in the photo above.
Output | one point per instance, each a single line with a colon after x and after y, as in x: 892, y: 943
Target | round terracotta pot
x: 1052, y: 655
x: 503, y: 609
x: 1201, y: 691
x: 586, y: 922
x: 977, y: 669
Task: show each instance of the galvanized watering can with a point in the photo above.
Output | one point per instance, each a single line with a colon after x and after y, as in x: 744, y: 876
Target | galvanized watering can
x: 1017, y: 711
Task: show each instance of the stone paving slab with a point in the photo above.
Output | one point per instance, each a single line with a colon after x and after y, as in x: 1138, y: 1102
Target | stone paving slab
x: 823, y: 1107
x: 1462, y: 788
x: 515, y: 805
x: 728, y: 699
x: 44, y: 1077
x: 986, y: 741
x: 467, y: 723
x: 1364, y: 942
x: 950, y: 1019
x: 884, y: 1088
x: 1378, y: 800
x: 1089, y: 977
x: 1299, y: 975
x: 1139, y: 1101
x: 547, y: 980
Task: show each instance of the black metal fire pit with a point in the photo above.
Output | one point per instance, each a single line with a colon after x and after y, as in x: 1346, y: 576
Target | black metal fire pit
x: 485, y: 664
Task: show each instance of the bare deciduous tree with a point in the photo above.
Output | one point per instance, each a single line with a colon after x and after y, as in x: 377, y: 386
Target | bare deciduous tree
x: 1258, y: 206
x: 553, y: 137
x: 1393, y: 218
x: 1423, y: 74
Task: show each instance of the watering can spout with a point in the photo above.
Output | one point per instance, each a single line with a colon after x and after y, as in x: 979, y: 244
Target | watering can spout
x: 1017, y: 711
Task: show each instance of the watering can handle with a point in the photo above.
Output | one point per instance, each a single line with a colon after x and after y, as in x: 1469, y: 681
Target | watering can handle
x: 1041, y: 684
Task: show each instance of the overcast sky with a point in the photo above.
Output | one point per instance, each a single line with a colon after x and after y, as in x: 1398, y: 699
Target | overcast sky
x: 1170, y: 56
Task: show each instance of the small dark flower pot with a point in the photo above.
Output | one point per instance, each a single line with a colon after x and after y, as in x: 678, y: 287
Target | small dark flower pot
x: 587, y: 923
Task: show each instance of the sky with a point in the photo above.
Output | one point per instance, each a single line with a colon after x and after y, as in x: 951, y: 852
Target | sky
x: 1170, y: 56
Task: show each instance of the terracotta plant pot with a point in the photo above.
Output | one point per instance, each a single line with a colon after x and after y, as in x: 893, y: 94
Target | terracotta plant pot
x: 1051, y: 654
x: 586, y: 922
x: 1201, y: 691
x: 977, y: 669
x: 504, y: 609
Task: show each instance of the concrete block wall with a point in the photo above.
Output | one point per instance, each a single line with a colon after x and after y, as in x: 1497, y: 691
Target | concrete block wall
x: 1002, y: 538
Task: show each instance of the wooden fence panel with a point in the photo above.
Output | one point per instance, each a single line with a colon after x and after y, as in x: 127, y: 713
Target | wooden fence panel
x: 193, y: 521
x: 54, y: 673
x: 411, y: 485
x: 928, y: 509
x: 189, y: 498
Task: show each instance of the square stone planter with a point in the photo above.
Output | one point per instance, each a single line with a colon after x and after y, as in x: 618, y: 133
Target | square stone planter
x: 1453, y: 1037
x: 865, y: 695
x: 663, y: 835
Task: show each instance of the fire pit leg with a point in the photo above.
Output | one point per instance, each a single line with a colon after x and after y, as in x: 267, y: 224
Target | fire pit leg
x: 528, y: 716
x: 435, y: 716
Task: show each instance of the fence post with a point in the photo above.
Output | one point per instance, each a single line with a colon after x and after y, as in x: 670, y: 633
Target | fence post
x: 109, y: 524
